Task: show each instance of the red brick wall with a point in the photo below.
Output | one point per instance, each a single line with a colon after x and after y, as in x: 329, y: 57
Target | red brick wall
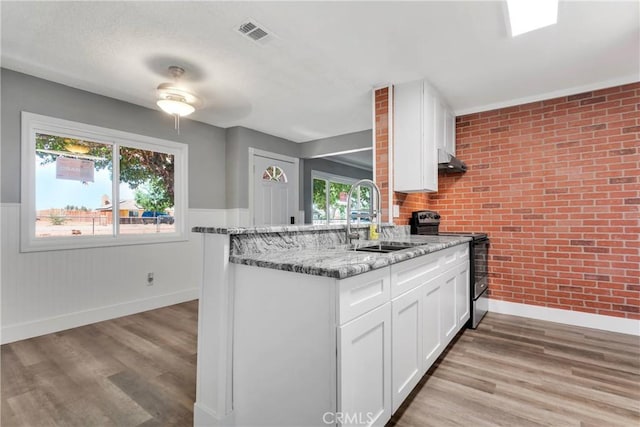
x: 556, y: 184
x: 382, y: 147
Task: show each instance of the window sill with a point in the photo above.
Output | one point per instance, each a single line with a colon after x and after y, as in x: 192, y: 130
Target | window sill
x: 70, y: 243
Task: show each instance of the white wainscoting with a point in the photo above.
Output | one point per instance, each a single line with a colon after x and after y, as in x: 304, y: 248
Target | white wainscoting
x: 44, y: 292
x: 576, y: 318
x: 238, y: 217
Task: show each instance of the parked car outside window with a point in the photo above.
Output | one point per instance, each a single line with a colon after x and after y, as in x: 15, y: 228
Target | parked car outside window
x: 153, y: 217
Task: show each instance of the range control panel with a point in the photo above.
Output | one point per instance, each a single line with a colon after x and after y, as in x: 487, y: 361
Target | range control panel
x: 425, y: 217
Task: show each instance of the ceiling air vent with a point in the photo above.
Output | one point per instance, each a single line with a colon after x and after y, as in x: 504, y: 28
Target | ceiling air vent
x: 254, y: 31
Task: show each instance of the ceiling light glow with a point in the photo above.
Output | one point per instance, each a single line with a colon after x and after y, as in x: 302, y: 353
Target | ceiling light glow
x: 529, y: 15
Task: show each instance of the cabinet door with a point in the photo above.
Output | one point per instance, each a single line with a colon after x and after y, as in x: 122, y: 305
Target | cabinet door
x: 429, y: 139
x: 448, y: 305
x: 449, y: 130
x: 407, y: 136
x: 432, y: 331
x: 439, y: 124
x: 462, y: 294
x: 406, y: 344
x: 364, y: 368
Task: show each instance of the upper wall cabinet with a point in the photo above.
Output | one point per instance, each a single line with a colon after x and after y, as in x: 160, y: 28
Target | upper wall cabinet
x: 449, y: 142
x: 423, y: 122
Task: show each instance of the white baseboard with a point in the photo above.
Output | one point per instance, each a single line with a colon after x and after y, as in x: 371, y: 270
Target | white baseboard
x: 575, y: 318
x: 72, y: 320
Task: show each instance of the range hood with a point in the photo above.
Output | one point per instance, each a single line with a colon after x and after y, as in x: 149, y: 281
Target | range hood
x: 449, y: 163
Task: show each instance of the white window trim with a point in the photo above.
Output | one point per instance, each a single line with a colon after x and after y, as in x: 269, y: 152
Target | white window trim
x: 35, y: 123
x: 332, y: 177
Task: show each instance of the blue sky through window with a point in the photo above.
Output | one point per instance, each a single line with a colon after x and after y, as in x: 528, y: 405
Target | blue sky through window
x: 58, y: 193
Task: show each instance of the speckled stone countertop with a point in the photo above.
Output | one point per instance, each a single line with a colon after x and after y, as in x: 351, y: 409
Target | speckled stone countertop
x: 321, y: 250
x: 342, y: 261
x: 275, y: 229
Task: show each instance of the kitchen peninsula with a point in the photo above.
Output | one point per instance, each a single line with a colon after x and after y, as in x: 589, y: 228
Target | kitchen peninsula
x: 296, y: 327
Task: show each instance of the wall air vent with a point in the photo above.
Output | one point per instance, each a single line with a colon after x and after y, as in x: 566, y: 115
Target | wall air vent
x: 254, y: 31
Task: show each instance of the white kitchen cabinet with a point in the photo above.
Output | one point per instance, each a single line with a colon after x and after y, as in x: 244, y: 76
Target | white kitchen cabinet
x: 305, y: 346
x: 448, y: 305
x: 432, y: 336
x: 449, y: 130
x: 362, y: 293
x: 364, y: 369
x: 415, y: 156
x: 406, y: 346
x: 462, y: 294
x: 434, y: 307
x: 439, y: 123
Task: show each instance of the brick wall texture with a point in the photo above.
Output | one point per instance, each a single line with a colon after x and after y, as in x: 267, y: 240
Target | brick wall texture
x: 556, y: 185
x: 382, y: 147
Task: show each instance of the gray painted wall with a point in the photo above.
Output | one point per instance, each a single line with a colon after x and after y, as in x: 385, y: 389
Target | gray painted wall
x: 336, y: 144
x: 327, y: 166
x: 21, y: 92
x: 239, y: 139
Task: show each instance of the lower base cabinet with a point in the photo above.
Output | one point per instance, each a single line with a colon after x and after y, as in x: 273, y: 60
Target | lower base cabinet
x: 407, y: 326
x: 317, y: 351
x: 364, y: 369
x: 463, y: 293
x: 432, y: 342
x: 426, y: 318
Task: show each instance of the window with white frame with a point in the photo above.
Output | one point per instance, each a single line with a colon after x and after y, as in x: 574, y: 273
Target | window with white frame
x: 87, y: 186
x: 329, y: 199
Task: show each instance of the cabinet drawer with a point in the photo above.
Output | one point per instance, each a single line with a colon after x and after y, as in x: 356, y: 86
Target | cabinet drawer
x: 462, y: 252
x: 412, y: 273
x: 362, y: 293
x: 449, y: 257
x: 409, y: 274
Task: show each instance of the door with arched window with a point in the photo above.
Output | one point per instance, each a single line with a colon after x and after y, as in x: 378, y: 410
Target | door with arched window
x: 275, y: 190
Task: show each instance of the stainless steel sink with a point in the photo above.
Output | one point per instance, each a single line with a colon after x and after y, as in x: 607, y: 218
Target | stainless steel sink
x: 382, y: 248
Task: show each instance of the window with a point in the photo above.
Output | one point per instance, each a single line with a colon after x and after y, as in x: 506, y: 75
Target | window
x: 274, y: 173
x: 86, y: 186
x: 329, y: 199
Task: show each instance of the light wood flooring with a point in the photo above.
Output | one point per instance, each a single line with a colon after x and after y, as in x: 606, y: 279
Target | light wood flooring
x: 140, y: 371
x: 137, y: 370
x: 513, y: 371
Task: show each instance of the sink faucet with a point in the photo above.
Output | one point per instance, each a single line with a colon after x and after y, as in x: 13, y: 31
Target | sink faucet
x: 354, y: 235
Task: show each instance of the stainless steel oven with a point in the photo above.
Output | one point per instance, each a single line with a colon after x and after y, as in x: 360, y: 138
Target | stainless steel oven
x: 428, y: 223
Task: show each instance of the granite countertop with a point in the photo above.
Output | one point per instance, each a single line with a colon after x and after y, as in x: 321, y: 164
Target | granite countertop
x: 341, y: 261
x: 276, y: 228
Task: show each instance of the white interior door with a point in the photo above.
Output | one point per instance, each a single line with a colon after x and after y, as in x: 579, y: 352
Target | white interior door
x: 275, y: 190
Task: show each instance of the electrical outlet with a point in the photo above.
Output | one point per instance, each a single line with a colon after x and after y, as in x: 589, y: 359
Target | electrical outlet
x: 149, y: 279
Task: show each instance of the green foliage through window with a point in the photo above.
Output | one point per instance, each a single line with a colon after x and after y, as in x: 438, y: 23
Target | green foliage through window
x: 137, y: 166
x: 329, y: 201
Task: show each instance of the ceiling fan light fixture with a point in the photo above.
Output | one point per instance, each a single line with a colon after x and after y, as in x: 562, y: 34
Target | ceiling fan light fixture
x: 174, y: 100
x: 175, y: 106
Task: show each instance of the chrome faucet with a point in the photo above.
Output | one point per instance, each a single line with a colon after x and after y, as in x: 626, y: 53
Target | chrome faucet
x: 354, y: 235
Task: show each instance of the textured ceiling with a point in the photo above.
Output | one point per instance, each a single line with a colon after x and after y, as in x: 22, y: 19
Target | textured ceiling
x: 313, y: 79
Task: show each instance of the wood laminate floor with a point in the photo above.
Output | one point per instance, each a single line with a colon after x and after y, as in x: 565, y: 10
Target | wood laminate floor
x: 137, y: 370
x: 513, y: 371
x: 140, y: 371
